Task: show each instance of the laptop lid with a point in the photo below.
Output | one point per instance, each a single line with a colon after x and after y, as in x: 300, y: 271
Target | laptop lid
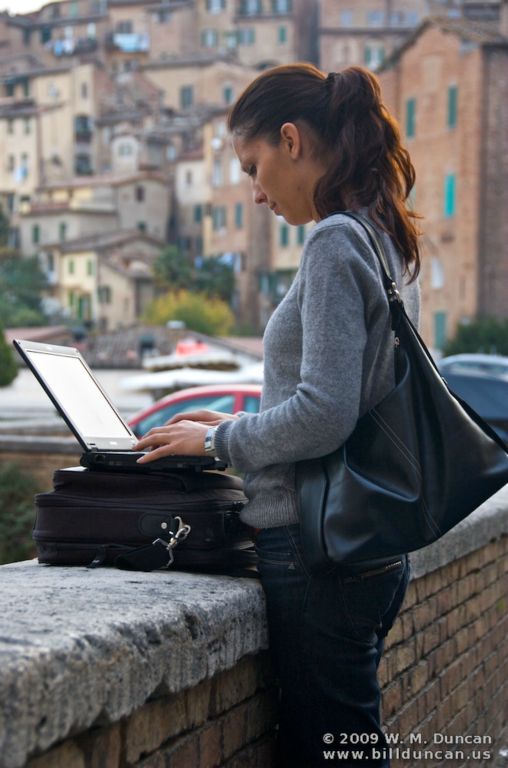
x: 77, y: 395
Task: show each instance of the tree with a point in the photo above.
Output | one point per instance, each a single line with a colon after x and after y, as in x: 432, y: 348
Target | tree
x: 8, y: 367
x: 196, y: 310
x: 485, y: 334
x: 17, y: 489
x: 173, y: 271
x: 21, y: 285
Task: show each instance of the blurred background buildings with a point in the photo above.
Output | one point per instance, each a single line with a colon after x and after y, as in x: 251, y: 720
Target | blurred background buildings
x: 113, y: 143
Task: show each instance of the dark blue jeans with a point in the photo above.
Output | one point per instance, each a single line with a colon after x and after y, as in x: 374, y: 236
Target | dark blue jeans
x: 326, y: 639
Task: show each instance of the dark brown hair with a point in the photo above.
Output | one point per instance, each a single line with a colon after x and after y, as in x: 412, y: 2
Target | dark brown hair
x: 349, y: 124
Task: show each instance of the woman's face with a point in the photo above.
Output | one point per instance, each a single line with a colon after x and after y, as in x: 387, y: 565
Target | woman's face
x: 283, y: 176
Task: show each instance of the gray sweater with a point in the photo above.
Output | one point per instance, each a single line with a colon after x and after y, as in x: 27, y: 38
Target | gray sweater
x: 328, y: 358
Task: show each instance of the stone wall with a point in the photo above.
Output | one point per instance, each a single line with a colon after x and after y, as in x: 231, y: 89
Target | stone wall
x: 110, y: 669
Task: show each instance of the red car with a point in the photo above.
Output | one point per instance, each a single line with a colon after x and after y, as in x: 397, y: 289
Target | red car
x: 217, y: 397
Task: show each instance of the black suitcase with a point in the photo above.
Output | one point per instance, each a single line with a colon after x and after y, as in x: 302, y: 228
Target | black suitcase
x: 188, y: 520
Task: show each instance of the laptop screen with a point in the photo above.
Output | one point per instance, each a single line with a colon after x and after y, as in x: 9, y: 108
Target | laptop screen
x: 80, y: 397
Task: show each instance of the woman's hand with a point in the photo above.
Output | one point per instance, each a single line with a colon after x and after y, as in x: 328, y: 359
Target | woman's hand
x: 185, y: 438
x: 210, y: 418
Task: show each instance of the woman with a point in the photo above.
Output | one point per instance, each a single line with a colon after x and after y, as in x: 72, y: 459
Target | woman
x: 315, y: 145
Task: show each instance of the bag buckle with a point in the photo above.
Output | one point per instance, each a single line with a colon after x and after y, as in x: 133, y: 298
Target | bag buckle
x: 181, y: 534
x: 393, y: 294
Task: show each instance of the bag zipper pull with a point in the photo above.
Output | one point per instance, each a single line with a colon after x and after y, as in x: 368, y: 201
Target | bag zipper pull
x: 181, y: 534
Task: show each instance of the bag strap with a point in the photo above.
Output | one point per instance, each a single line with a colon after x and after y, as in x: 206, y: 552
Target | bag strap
x: 397, y: 309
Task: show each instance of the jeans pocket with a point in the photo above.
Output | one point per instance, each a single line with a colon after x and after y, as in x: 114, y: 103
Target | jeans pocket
x: 372, y: 598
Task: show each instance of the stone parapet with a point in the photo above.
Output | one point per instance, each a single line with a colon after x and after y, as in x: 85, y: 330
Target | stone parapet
x: 118, y: 669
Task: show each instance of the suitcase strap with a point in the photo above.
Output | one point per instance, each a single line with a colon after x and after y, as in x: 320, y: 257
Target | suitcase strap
x: 149, y: 557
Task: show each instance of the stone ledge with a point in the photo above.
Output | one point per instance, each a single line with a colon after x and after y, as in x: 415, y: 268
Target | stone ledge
x: 81, y: 647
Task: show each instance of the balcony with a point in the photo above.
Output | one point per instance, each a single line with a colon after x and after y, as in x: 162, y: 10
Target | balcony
x: 128, y: 42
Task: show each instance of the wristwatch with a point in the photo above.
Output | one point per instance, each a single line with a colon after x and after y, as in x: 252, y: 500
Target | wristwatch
x: 210, y: 441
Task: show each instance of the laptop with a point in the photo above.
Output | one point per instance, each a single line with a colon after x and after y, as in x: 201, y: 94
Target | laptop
x: 88, y: 412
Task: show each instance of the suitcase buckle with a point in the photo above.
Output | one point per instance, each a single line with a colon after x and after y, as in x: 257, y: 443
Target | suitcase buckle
x: 181, y: 534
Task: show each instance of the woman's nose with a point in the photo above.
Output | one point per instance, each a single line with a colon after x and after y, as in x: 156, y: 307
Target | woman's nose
x: 259, y: 195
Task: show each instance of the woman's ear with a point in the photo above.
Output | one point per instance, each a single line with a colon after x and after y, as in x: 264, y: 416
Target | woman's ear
x: 291, y: 139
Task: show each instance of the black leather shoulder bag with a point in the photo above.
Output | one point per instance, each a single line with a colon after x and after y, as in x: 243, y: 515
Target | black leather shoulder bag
x: 414, y: 466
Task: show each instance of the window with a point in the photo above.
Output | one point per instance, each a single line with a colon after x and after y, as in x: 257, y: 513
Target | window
x: 235, y: 171
x: 439, y: 329
x: 45, y: 35
x: 89, y: 268
x: 11, y: 163
x: 125, y: 149
x: 284, y: 235
x: 410, y: 118
x: 231, y: 38
x: 140, y: 194
x: 186, y: 96
x: 163, y: 17
x: 282, y: 35
x: 188, y: 178
x: 124, y: 28
x: 62, y: 231
x: 219, y: 218
x: 251, y: 404
x: 300, y: 234
x: 142, y: 226
x: 250, y: 7
x: 396, y: 18
x: 36, y: 234
x: 375, y: 18
x: 70, y: 266
x: 10, y: 126
x: 239, y: 215
x: 27, y: 36
x: 24, y: 166
x: 215, y: 6
x: 26, y: 88
x: 84, y: 90
x: 217, y: 177
x: 450, y: 195
x: 104, y: 294
x: 28, y: 125
x: 246, y: 36
x: 346, y: 18
x: 198, y: 214
x: 209, y: 38
x: 437, y: 277
x: 227, y: 94
x: 281, y: 7
x: 452, y: 106
x: 373, y: 55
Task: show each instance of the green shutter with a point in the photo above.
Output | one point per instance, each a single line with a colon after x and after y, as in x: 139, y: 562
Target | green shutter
x: 439, y: 329
x: 410, y: 118
x: 283, y: 35
x: 284, y: 235
x: 450, y: 193
x: 239, y: 215
x: 36, y: 234
x: 452, y: 106
x: 301, y: 234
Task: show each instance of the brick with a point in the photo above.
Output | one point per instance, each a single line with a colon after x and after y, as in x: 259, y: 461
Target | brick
x: 430, y: 638
x: 157, y: 760
x: 262, y: 713
x: 210, y: 745
x: 237, y: 684
x: 408, y: 719
x: 424, y: 614
x: 404, y: 656
x: 197, y: 704
x: 418, y: 677
x: 392, y: 700
x: 153, y: 724
x: 184, y: 753
x: 234, y: 729
x: 101, y: 747
x: 258, y: 755
x: 66, y: 755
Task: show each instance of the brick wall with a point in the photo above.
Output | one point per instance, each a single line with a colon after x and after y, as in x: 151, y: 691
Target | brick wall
x: 444, y: 671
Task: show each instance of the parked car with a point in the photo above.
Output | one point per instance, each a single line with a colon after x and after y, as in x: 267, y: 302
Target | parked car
x: 487, y: 394
x: 226, y: 398
x: 495, y: 365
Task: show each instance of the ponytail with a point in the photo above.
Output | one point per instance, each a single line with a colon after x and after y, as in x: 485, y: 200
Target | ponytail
x: 348, y: 123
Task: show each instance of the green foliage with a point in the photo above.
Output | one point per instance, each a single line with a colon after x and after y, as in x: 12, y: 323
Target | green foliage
x: 21, y: 284
x: 196, y: 310
x: 4, y: 228
x: 17, y: 489
x: 8, y: 367
x: 485, y: 334
x: 174, y: 272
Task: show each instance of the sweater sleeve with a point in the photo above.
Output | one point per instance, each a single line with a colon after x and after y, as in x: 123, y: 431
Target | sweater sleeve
x: 322, y: 413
